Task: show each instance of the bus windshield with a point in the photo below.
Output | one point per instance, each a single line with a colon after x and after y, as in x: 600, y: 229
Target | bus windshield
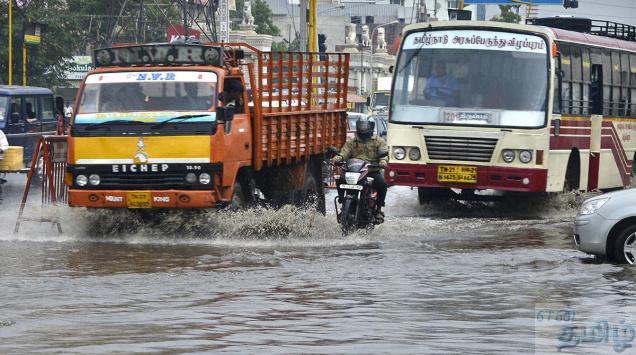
x: 146, y: 96
x: 468, y: 77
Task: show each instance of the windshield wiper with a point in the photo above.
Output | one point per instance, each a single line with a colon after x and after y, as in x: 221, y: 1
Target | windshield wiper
x: 106, y: 123
x: 178, y: 118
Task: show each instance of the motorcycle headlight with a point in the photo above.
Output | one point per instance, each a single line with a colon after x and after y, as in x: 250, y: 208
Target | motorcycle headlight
x: 191, y: 178
x: 352, y: 178
x: 399, y: 153
x: 205, y: 178
x: 525, y: 156
x: 94, y: 179
x: 508, y: 155
x: 414, y: 153
x: 81, y: 180
x: 592, y: 206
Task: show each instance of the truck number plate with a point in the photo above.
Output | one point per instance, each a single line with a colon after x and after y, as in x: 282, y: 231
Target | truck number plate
x: 350, y: 187
x: 138, y: 200
x: 457, y: 173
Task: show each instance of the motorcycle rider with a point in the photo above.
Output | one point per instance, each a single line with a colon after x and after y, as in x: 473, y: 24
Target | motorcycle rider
x: 367, y: 146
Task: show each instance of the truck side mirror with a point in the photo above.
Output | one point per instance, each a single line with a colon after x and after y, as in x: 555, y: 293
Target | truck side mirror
x: 225, y: 114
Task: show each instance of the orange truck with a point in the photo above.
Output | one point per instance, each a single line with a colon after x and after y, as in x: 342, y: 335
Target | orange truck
x: 152, y: 127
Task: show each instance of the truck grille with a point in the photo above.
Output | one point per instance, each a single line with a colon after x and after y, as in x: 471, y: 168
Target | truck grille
x: 463, y: 148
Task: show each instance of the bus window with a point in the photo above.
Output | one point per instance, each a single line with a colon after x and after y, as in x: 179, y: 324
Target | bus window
x: 587, y: 67
x: 30, y: 109
x: 4, y: 108
x: 625, y: 97
x: 566, y: 66
x: 607, y: 82
x: 632, y: 75
x: 577, y: 80
x: 616, y: 83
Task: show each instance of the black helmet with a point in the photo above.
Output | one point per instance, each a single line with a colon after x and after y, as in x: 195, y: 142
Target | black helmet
x: 364, y: 128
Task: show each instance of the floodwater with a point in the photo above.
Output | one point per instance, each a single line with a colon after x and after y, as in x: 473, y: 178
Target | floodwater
x: 443, y: 278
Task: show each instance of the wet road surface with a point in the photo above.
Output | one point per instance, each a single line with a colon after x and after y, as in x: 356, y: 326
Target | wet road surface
x: 443, y: 278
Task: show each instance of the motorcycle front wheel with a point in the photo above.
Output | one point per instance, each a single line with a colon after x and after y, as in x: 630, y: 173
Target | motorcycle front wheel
x: 347, y: 216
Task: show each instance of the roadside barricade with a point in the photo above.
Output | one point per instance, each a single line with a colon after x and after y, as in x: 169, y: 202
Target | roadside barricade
x: 48, y: 167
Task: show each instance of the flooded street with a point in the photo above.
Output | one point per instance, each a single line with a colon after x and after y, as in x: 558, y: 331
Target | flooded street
x: 445, y: 278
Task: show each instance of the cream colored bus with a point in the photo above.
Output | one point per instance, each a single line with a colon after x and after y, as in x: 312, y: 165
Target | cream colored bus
x: 513, y: 107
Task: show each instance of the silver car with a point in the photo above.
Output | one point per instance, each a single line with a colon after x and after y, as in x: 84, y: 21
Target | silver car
x: 606, y: 226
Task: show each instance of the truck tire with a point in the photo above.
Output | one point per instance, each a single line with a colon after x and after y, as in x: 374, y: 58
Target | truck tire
x: 313, y: 194
x: 238, y: 198
x: 624, y: 248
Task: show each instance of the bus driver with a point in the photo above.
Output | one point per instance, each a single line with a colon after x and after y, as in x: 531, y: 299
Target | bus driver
x: 442, y: 86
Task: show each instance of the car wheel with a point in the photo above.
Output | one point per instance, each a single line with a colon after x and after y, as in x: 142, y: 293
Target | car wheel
x: 624, y: 251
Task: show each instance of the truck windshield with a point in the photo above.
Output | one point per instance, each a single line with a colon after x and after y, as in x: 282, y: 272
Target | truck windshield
x: 147, y: 96
x: 381, y: 99
x: 4, y: 107
x: 467, y: 77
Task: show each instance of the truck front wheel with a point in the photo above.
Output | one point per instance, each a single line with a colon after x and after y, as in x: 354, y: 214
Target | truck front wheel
x: 238, y: 198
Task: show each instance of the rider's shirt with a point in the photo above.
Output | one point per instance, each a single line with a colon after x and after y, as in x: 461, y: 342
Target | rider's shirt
x: 358, y: 149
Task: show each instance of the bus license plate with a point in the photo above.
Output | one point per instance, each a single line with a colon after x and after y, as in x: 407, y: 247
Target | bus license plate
x: 138, y: 200
x: 350, y: 187
x: 457, y: 173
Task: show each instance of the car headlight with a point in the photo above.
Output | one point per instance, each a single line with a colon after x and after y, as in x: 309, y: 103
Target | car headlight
x: 590, y: 207
x: 81, y: 180
x: 508, y: 155
x: 525, y: 156
x: 94, y: 179
x: 352, y: 178
x: 399, y: 153
x: 205, y: 178
x: 414, y: 153
x: 191, y: 178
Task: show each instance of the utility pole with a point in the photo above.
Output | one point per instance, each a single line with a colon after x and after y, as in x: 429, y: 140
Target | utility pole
x: 303, y: 25
x: 185, y: 19
x: 312, y: 33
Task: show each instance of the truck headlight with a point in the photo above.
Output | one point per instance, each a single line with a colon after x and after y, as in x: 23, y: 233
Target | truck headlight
x: 399, y: 153
x: 414, y: 153
x: 205, y: 178
x: 94, y: 179
x: 590, y: 207
x: 508, y: 155
x: 525, y: 156
x: 191, y: 178
x: 81, y: 180
x: 352, y: 178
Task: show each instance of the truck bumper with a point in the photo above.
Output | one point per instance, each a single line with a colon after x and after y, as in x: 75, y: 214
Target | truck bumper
x: 158, y: 199
x: 488, y: 177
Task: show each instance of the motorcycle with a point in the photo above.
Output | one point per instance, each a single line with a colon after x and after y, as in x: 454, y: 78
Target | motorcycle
x: 357, y: 197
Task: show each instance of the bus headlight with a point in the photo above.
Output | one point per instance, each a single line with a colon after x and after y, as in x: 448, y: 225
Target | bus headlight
x: 81, y: 180
x: 414, y: 153
x: 94, y: 179
x: 508, y: 155
x: 525, y: 156
x: 399, y: 153
x: 191, y: 178
x: 205, y: 178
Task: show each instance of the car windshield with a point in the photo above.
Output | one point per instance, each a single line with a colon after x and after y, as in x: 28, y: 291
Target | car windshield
x: 146, y: 96
x: 472, y: 78
x: 4, y: 107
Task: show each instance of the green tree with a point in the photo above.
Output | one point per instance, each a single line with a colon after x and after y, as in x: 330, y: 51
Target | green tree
x: 507, y: 15
x: 47, y: 62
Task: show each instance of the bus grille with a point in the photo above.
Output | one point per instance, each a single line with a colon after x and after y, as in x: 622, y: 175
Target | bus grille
x: 463, y: 149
